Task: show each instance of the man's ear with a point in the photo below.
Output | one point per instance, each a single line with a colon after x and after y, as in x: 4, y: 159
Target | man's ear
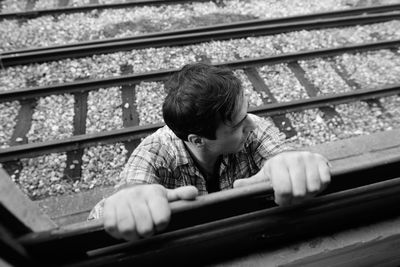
x: 196, y: 140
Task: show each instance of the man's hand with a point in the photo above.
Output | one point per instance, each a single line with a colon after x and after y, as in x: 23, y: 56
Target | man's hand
x: 141, y: 210
x: 294, y: 176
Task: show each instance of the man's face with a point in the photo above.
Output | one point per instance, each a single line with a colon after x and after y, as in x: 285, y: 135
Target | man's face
x: 232, y: 135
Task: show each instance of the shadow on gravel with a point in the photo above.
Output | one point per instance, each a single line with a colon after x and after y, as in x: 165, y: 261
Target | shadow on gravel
x: 147, y: 25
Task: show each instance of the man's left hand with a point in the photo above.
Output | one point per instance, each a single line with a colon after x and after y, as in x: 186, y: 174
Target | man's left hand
x: 294, y: 176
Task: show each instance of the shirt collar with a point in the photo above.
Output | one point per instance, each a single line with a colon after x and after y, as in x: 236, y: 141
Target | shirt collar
x: 183, y: 156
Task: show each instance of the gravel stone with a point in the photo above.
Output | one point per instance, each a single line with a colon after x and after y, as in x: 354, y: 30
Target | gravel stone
x: 359, y: 119
x: 8, y: 120
x: 356, y: 119
x: 52, y: 118
x: 252, y: 96
x: 101, y: 166
x: 8, y: 6
x: 310, y: 127
x: 42, y: 176
x: 144, y: 60
x: 104, y: 110
x: 282, y: 83
x: 149, y: 99
x: 372, y: 69
x: 391, y: 113
x: 283, y: 8
x: 100, y: 24
x: 16, y: 78
x: 333, y: 37
x: 45, y: 4
x: 324, y: 77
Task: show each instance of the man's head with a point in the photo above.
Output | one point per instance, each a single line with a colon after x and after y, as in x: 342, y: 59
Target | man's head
x: 199, y: 97
x: 207, y: 102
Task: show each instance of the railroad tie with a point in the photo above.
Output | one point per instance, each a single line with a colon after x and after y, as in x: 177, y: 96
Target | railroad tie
x: 24, y: 122
x: 281, y: 121
x: 74, y: 158
x: 22, y: 127
x: 341, y: 71
x: 130, y: 115
x: 330, y: 114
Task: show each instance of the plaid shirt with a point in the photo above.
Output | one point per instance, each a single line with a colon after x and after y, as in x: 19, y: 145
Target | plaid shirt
x: 163, y: 158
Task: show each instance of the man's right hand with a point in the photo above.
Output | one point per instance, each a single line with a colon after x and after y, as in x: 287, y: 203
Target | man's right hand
x: 142, y: 210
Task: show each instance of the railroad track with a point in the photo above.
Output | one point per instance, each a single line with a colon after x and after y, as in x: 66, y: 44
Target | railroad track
x: 88, y: 8
x: 371, y: 188
x: 79, y: 142
x: 131, y: 133
x: 358, y: 16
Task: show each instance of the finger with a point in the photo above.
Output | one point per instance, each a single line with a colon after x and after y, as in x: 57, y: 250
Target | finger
x: 242, y: 182
x: 184, y: 192
x: 258, y: 178
x: 281, y: 183
x: 297, y: 172
x: 126, y: 222
x: 160, y: 212
x: 110, y: 220
x: 313, y: 180
x: 143, y: 218
x: 324, y: 173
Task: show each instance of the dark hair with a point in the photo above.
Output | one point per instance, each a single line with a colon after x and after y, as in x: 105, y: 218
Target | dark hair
x: 199, y: 97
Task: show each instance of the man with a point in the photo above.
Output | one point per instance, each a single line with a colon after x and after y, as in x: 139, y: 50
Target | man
x: 210, y: 143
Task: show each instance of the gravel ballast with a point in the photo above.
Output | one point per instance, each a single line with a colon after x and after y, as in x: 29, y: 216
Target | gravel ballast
x: 53, y: 116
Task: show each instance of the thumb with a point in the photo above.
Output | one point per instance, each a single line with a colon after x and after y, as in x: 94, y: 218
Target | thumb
x: 260, y: 177
x: 184, y: 192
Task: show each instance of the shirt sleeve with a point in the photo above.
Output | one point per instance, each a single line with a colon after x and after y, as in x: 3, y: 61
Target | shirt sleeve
x: 140, y: 168
x: 266, y: 140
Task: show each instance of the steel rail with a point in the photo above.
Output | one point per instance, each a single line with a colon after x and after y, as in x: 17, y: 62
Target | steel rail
x: 240, y: 24
x: 86, y: 8
x: 131, y: 133
x: 269, y: 225
x: 186, y: 39
x: 87, y: 85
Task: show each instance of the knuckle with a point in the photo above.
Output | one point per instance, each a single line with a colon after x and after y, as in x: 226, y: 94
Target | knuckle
x: 146, y: 230
x: 162, y: 222
x: 129, y: 235
x: 126, y: 226
x: 299, y: 194
x: 284, y: 192
x: 314, y: 189
x: 314, y: 184
x: 127, y: 230
x: 109, y: 227
x: 326, y: 182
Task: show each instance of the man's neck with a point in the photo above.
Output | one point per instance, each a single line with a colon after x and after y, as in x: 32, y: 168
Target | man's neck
x: 203, y: 158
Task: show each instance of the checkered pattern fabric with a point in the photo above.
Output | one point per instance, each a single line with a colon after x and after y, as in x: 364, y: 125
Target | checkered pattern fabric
x: 163, y: 158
